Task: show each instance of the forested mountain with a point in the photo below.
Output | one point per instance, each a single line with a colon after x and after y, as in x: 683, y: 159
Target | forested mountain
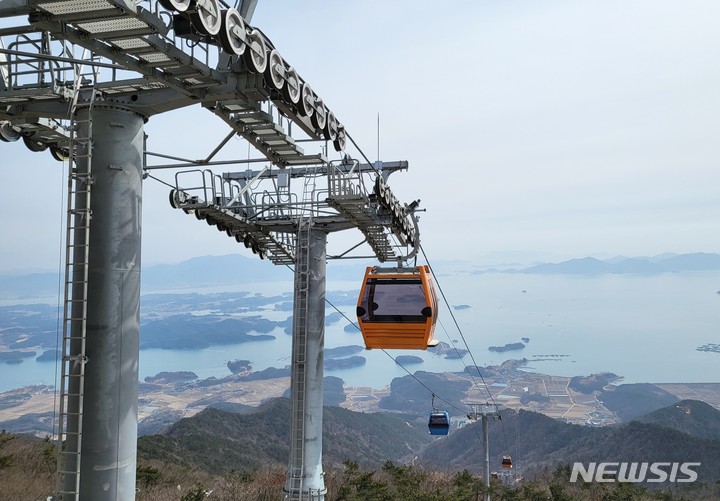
x: 221, y: 441
x: 687, y: 416
x: 538, y: 442
x: 373, y: 456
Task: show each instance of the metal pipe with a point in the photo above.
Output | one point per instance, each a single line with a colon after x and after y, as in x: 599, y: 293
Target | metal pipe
x: 200, y: 162
x: 486, y: 469
x: 62, y: 59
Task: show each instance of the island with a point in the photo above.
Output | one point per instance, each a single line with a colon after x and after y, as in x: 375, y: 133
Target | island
x: 408, y: 359
x: 710, y: 348
x: 239, y: 366
x: 450, y: 352
x: 269, y: 373
x: 344, y: 363
x: 507, y: 347
x: 461, y: 307
x: 171, y: 377
x: 195, y: 332
x: 48, y: 356
x: 352, y: 328
x: 343, y: 351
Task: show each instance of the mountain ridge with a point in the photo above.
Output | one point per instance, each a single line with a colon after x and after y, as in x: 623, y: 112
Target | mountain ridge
x: 206, y: 270
x: 548, y: 443
x: 699, y: 261
x: 223, y: 441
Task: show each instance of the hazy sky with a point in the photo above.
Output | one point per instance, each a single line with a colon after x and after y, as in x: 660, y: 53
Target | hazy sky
x: 534, y: 129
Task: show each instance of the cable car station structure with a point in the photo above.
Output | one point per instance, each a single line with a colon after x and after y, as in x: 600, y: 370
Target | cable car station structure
x: 80, y: 78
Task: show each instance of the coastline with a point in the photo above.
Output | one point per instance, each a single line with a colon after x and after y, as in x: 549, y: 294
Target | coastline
x: 168, y: 399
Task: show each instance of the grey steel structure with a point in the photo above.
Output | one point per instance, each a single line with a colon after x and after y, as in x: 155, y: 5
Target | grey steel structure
x: 484, y: 411
x: 79, y: 78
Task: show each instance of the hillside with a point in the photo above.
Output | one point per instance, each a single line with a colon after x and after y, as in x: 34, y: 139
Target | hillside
x: 629, y: 401
x: 220, y: 441
x: 406, y: 395
x: 26, y: 467
x: 687, y: 416
x: 244, y: 456
x: 538, y: 442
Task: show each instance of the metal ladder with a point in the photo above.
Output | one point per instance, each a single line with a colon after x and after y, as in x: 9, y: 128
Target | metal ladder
x: 302, y: 272
x: 77, y: 247
x: 302, y: 266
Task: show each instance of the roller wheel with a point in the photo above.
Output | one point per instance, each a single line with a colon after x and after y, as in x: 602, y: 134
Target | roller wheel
x: 256, y: 52
x: 275, y: 71
x: 207, y: 17
x: 199, y: 215
x: 210, y: 221
x: 232, y: 23
x: 379, y: 187
x: 319, y: 118
x: 339, y: 143
x: 59, y: 154
x: 177, y: 198
x: 291, y: 91
x: 7, y: 133
x: 307, y: 98
x: 33, y: 144
x: 173, y: 199
x: 388, y: 198
x: 331, y: 127
x: 176, y: 5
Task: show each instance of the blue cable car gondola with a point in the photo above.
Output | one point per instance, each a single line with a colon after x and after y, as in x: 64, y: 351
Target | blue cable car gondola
x: 439, y: 423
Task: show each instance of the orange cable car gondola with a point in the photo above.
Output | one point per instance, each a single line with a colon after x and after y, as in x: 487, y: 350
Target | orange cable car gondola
x: 506, y: 462
x: 397, y: 308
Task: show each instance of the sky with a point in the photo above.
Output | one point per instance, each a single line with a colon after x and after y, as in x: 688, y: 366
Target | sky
x: 534, y: 130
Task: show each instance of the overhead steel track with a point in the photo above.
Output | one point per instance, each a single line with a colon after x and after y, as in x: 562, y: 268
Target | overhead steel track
x: 142, y: 41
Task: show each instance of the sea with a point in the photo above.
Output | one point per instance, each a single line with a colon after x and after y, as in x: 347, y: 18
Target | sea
x: 644, y: 328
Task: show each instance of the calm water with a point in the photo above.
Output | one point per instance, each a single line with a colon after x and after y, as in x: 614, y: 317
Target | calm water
x: 645, y: 328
